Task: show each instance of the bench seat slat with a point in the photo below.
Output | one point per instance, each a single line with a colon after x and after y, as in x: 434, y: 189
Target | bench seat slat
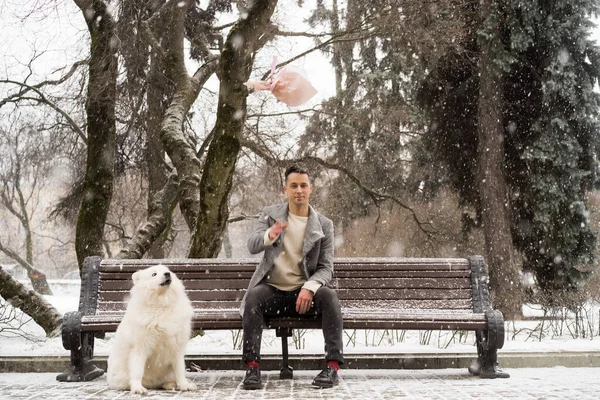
x: 289, y: 323
x: 392, y: 324
x: 356, y: 313
x: 353, y: 319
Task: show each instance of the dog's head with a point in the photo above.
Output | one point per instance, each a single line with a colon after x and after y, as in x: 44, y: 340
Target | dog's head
x: 157, y: 278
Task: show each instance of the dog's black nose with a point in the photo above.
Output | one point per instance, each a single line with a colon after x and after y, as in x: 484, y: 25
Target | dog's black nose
x: 167, y: 274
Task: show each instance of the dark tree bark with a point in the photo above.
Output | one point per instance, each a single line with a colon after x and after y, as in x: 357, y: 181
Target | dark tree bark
x: 161, y: 88
x: 505, y: 280
x: 31, y: 303
x: 181, y: 152
x: 168, y: 55
x: 215, y: 186
x: 147, y: 77
x: 160, y: 211
x: 101, y: 130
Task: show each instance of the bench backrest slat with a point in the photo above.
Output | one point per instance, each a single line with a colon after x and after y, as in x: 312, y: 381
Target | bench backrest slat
x: 401, y: 274
x: 339, y: 283
x: 190, y: 284
x: 249, y: 264
x: 343, y: 294
x: 400, y: 283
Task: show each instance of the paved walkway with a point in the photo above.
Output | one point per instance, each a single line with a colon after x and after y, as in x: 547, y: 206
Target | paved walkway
x: 525, y: 383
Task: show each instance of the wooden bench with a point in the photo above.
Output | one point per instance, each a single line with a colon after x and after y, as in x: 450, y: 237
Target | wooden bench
x: 375, y: 293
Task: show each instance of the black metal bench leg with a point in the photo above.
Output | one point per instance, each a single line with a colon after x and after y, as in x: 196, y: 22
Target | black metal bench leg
x: 82, y: 369
x: 488, y: 343
x: 81, y: 346
x: 286, y: 372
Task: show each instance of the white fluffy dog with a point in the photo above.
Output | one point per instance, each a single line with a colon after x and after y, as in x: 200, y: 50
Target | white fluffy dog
x: 149, y: 346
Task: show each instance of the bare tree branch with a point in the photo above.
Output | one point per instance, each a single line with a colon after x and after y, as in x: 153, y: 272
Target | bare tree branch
x: 55, y: 82
x: 242, y: 217
x: 425, y: 227
x: 280, y: 114
x: 44, y: 100
x: 12, y: 322
x: 361, y: 32
x: 152, y: 41
x: 279, y: 32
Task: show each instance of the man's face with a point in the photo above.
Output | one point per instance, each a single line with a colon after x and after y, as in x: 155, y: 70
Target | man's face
x: 297, y: 189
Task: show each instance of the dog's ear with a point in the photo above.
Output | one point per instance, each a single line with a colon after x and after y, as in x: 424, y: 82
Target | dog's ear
x: 136, y: 276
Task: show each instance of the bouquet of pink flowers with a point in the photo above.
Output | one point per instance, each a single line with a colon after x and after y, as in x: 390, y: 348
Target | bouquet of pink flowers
x: 288, y: 85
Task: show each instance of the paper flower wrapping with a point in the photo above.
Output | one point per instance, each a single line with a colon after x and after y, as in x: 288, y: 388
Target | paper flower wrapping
x: 288, y: 85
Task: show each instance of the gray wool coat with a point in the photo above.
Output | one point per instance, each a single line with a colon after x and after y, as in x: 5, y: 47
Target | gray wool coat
x: 317, y: 251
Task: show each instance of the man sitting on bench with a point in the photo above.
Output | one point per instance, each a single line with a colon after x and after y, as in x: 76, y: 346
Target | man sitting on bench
x: 292, y: 277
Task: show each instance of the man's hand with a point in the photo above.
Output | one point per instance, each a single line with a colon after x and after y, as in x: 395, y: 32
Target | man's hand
x: 304, y: 301
x: 277, y: 228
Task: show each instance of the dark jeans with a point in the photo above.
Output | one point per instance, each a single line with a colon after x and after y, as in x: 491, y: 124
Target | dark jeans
x: 264, y: 300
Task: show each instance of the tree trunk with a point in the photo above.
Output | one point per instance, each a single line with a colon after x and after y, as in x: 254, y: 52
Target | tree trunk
x: 336, y: 59
x: 101, y: 130
x: 37, y: 277
x: 505, y: 281
x: 160, y: 211
x: 227, y: 247
x: 344, y: 146
x: 31, y: 303
x: 161, y: 87
x: 176, y: 144
x: 215, y: 186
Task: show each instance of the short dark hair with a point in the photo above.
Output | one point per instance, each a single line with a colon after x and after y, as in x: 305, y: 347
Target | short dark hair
x: 295, y: 169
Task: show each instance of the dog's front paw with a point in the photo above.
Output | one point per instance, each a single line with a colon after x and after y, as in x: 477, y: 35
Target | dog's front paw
x: 187, y: 385
x: 137, y: 388
x: 171, y: 385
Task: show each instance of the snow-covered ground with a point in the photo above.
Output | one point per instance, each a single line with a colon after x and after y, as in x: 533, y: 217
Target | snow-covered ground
x: 520, y: 336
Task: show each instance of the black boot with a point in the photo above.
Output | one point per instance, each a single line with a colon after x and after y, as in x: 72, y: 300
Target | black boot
x: 327, y: 378
x: 489, y: 373
x: 252, y: 379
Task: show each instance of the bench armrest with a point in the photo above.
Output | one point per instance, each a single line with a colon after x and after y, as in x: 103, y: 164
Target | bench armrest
x: 71, y: 330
